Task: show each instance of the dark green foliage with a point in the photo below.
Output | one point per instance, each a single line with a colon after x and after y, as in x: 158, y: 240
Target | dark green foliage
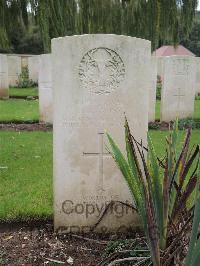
x: 158, y: 91
x: 194, y: 123
x: 152, y: 20
x: 197, y: 96
x: 193, y: 41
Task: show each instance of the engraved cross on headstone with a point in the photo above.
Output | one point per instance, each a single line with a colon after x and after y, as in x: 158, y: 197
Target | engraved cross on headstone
x: 100, y: 154
x: 179, y: 94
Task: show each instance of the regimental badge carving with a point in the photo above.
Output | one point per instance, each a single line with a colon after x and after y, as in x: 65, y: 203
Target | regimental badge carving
x: 101, y: 70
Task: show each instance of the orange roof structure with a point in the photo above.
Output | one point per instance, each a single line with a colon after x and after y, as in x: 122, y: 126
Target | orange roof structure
x: 168, y: 50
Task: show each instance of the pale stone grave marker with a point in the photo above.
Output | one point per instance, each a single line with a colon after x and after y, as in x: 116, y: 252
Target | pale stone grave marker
x: 178, y: 90
x: 24, y: 61
x: 45, y: 89
x: 96, y: 79
x: 197, y: 75
x: 33, y: 67
x: 4, y: 88
x: 14, y: 69
x: 160, y: 65
x: 152, y: 89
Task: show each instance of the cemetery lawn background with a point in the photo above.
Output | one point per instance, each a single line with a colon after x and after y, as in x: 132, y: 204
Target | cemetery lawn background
x: 26, y: 175
x: 19, y: 110
x: 23, y: 92
x: 27, y: 111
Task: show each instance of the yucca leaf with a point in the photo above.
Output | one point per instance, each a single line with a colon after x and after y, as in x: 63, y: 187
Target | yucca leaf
x: 152, y: 225
x: 194, y: 249
x: 134, y: 165
x: 127, y: 173
x: 165, y: 201
x: 182, y: 196
x: 196, y: 254
x: 181, y: 204
x: 156, y: 185
x: 121, y: 161
x: 180, y: 164
x: 190, y: 161
x: 172, y: 167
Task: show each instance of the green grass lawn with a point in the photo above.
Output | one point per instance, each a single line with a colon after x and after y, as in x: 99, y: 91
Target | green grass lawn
x: 196, y: 111
x: 16, y: 110
x: 25, y: 175
x: 26, y: 172
x: 23, y: 91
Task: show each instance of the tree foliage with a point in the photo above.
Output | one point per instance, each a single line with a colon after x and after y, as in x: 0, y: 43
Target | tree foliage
x: 193, y: 41
x: 156, y: 20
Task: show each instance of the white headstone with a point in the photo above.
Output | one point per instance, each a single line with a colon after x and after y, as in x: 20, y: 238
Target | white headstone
x: 33, y: 67
x: 197, y: 75
x: 14, y: 69
x: 152, y: 90
x: 178, y: 90
x: 160, y: 66
x: 4, y: 88
x: 96, y: 79
x: 24, y: 61
x: 45, y: 89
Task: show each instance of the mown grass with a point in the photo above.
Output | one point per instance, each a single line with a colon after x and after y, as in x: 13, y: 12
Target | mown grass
x: 26, y: 172
x: 23, y: 92
x: 17, y: 110
x: 25, y: 175
x: 196, y: 110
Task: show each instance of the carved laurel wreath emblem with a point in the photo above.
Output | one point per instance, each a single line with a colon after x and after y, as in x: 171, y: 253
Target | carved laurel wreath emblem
x: 101, y: 70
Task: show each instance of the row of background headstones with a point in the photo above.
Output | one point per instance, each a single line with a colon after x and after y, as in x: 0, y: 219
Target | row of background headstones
x: 180, y: 76
x: 13, y: 64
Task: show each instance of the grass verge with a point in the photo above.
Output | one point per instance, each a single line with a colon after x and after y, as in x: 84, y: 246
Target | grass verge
x: 23, y: 92
x: 19, y: 110
x: 25, y: 175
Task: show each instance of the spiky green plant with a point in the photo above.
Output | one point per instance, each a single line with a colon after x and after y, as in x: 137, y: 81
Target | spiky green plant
x: 193, y: 256
x: 161, y: 189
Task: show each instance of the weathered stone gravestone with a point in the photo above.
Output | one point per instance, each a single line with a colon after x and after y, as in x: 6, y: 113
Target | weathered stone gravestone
x: 178, y: 90
x: 4, y: 88
x: 160, y: 66
x: 197, y: 74
x: 96, y: 79
x: 45, y: 89
x: 14, y: 69
x: 24, y: 61
x: 152, y: 89
x: 33, y: 67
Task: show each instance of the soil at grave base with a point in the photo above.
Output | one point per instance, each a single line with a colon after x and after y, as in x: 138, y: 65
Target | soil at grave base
x: 25, y: 127
x: 47, y: 127
x: 30, y: 245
